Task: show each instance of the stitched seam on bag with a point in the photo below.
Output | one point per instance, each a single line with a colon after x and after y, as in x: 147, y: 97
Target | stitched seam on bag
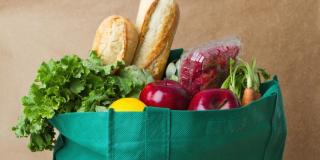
x: 145, y: 134
x: 167, y: 138
x: 168, y: 118
x: 164, y: 140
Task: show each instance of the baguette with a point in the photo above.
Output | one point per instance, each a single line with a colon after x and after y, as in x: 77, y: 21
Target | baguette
x: 156, y: 23
x: 116, y: 39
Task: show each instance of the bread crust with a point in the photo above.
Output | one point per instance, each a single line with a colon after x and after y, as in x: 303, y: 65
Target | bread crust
x: 155, y: 39
x: 116, y: 39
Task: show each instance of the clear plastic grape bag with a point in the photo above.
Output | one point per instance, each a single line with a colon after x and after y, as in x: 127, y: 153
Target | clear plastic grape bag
x: 207, y: 65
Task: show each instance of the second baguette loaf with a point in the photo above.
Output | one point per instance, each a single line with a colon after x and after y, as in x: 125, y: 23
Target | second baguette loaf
x: 156, y: 23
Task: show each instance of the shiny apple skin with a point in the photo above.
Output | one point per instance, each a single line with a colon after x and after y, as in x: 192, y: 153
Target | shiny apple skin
x: 214, y: 99
x: 166, y: 94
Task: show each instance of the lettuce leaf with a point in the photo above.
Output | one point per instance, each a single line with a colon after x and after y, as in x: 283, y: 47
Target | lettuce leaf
x: 73, y: 85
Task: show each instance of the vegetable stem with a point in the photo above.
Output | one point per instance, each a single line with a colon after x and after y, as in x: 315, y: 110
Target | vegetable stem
x: 244, y: 80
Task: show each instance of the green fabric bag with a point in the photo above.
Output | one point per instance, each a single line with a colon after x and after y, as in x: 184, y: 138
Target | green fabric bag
x: 255, y: 132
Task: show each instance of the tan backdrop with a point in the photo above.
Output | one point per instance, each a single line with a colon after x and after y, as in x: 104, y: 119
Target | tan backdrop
x: 283, y: 35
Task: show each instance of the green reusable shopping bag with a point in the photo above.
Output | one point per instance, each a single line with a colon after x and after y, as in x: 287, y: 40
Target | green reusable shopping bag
x: 254, y: 132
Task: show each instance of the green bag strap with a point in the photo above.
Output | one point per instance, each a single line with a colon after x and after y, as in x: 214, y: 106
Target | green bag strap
x: 157, y: 133
x: 110, y: 134
x: 275, y: 147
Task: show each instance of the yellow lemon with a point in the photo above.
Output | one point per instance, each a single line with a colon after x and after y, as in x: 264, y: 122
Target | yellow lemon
x: 128, y: 105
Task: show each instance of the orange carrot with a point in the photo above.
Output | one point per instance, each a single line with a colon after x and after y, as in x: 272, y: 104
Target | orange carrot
x: 244, y: 80
x: 249, y: 95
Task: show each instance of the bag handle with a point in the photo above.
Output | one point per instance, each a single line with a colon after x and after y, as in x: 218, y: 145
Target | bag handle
x: 157, y: 133
x: 110, y: 132
x: 276, y: 143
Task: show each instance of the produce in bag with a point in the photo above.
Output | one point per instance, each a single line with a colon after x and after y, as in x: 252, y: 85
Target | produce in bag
x: 128, y: 105
x: 214, y: 99
x: 74, y: 85
x: 167, y: 94
x: 207, y: 66
x: 244, y: 80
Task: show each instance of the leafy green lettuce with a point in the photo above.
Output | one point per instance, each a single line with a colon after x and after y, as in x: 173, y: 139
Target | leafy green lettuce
x: 74, y: 85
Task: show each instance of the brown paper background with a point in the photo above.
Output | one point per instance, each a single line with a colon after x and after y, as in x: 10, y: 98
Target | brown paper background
x: 283, y: 35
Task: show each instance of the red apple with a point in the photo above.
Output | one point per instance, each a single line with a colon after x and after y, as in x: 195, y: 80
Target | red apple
x: 214, y: 99
x: 167, y: 94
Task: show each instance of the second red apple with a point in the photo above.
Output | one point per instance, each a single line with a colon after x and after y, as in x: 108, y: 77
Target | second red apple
x: 214, y: 99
